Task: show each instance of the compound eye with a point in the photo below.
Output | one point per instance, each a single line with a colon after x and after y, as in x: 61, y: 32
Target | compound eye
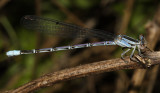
x: 119, y: 38
x: 142, y: 39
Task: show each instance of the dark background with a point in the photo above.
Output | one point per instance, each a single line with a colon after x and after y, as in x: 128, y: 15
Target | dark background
x: 115, y: 16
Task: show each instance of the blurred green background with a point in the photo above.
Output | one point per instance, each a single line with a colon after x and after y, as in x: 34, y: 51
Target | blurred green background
x: 115, y: 16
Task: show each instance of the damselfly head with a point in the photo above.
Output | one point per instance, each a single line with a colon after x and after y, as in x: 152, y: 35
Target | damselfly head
x: 143, y: 41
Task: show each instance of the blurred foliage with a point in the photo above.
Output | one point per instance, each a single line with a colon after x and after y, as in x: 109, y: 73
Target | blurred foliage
x: 16, y: 71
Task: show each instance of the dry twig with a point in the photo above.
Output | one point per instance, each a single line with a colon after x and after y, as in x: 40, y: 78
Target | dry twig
x: 3, y: 3
x: 127, y: 14
x: 85, y: 70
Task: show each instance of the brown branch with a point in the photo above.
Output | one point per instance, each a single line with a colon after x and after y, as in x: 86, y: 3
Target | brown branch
x: 69, y: 14
x: 38, y: 7
x: 85, y: 70
x: 126, y: 17
x: 3, y: 3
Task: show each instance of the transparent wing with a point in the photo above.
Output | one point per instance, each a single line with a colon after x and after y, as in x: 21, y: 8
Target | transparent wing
x: 50, y: 26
